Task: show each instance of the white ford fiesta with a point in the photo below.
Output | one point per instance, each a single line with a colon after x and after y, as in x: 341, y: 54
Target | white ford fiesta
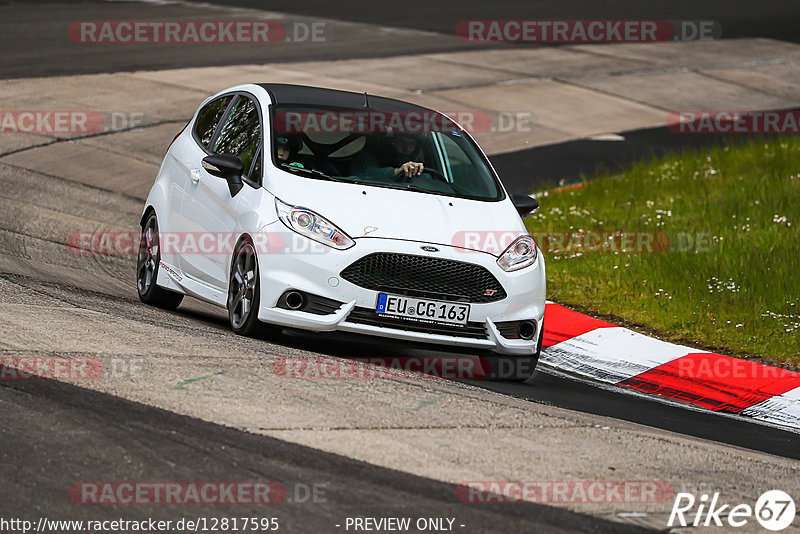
x: 326, y: 210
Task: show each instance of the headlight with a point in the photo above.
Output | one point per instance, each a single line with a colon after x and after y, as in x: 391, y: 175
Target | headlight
x: 312, y: 225
x: 521, y: 253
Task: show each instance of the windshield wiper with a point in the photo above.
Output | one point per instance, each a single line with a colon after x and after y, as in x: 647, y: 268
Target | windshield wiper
x: 395, y: 185
x: 311, y: 172
x: 413, y: 187
x: 410, y: 187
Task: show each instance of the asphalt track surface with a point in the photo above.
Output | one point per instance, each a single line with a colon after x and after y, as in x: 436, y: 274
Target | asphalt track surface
x: 54, y: 433
x: 740, y: 18
x: 33, y: 45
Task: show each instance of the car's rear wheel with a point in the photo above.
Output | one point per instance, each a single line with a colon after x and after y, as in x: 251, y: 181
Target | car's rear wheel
x: 244, y: 295
x: 147, y: 263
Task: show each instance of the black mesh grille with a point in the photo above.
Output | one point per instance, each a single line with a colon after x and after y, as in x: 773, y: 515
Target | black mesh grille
x: 371, y: 317
x: 508, y: 329
x: 321, y: 305
x: 311, y: 303
x: 435, y: 277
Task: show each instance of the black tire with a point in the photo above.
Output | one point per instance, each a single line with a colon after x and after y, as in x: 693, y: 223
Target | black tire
x: 244, y: 295
x: 147, y: 263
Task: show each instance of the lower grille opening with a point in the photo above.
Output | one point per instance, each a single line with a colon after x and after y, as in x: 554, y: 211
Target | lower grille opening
x: 370, y: 317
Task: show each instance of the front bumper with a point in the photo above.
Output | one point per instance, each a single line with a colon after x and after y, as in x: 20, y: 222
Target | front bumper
x: 312, y: 268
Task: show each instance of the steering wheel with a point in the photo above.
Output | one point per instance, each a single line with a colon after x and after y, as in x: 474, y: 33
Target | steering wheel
x: 432, y: 172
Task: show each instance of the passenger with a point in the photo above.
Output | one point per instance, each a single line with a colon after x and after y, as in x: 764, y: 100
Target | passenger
x: 286, y: 149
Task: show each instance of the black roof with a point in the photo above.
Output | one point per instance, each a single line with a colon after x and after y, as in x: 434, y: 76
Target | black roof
x: 288, y: 94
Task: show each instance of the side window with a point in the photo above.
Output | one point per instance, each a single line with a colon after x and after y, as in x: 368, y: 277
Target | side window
x: 455, y: 154
x: 208, y: 117
x: 241, y: 133
x: 470, y: 176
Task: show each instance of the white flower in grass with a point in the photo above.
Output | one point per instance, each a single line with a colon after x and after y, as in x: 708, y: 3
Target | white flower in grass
x: 715, y: 285
x: 781, y: 219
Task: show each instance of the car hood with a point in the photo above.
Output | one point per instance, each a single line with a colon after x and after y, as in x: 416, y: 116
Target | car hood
x: 380, y: 212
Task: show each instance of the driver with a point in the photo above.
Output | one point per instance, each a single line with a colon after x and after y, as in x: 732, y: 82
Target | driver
x: 397, y: 162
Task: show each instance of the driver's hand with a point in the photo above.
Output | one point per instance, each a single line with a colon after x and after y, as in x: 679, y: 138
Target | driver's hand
x: 409, y: 169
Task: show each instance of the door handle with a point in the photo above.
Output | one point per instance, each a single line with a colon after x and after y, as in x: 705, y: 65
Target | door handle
x: 195, y: 175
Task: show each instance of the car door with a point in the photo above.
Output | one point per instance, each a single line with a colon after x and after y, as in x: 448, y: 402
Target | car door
x: 208, y: 212
x: 188, y: 155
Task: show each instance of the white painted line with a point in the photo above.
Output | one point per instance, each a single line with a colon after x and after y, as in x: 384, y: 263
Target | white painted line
x: 611, y: 354
x: 781, y: 410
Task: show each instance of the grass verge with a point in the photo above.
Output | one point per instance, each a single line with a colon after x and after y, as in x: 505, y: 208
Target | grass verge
x: 702, y: 246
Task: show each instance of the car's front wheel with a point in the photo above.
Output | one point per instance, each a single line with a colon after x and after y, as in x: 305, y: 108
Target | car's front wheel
x: 244, y: 295
x: 147, y: 263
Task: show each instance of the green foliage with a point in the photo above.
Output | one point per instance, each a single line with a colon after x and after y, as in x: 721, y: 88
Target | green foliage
x: 723, y: 225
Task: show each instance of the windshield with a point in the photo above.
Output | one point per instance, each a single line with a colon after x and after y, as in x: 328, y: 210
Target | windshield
x: 415, y: 150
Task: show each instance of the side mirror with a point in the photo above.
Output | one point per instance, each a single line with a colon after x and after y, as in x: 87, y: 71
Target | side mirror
x: 525, y: 205
x: 228, y: 167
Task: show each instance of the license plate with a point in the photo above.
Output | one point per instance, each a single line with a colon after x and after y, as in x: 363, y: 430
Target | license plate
x: 423, y: 309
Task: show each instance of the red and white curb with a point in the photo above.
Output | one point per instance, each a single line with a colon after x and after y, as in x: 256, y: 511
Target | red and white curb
x: 583, y: 347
